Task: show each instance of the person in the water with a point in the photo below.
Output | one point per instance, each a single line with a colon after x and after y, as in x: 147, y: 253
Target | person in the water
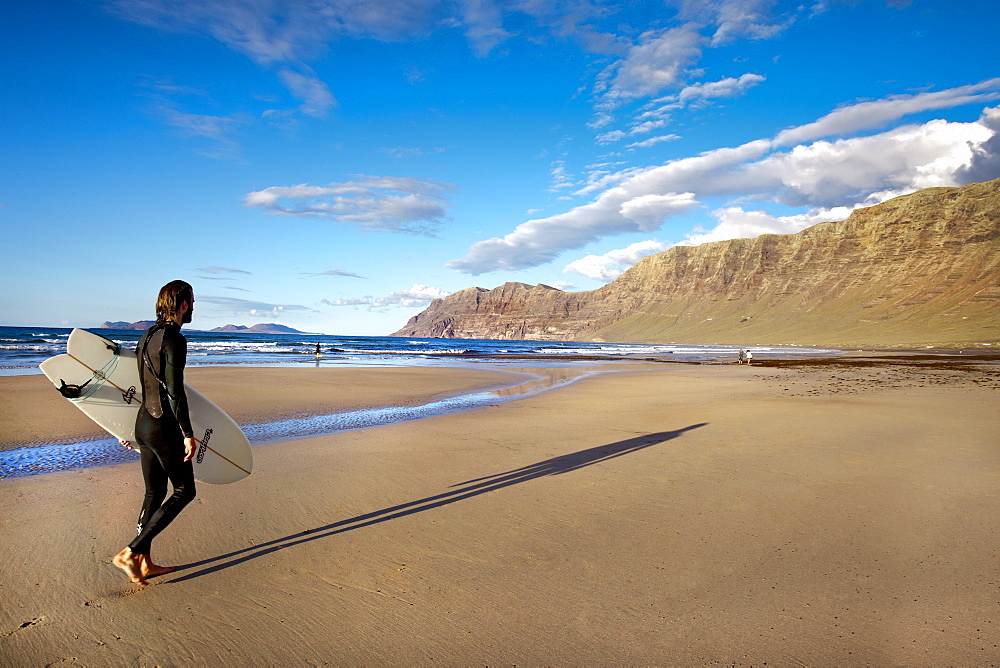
x: 162, y: 429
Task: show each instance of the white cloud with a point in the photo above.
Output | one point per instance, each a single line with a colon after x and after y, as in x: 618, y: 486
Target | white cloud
x: 387, y: 204
x: 601, y: 120
x: 416, y: 296
x: 353, y: 301
x: 334, y: 272
x: 746, y: 18
x: 573, y: 20
x: 878, y: 113
x: 484, y: 24
x: 736, y: 223
x: 405, y: 152
x: 538, y: 241
x: 824, y: 174
x: 652, y: 141
x: 602, y: 177
x: 613, y: 264
x: 844, y: 171
x: 412, y: 152
x: 985, y: 165
x: 649, y: 211
x: 751, y: 19
x: 246, y: 307
x: 728, y: 87
x: 657, y: 113
x: 659, y: 61
x: 648, y: 126
x: 609, y: 137
x: 560, y: 178
x: 218, y: 130
x: 665, y: 60
x: 306, y: 86
x: 222, y: 270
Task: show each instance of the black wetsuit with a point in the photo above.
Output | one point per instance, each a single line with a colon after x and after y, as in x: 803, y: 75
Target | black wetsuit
x: 160, y: 429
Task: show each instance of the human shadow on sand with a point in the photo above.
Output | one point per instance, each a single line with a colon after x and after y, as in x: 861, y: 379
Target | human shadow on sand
x: 554, y: 466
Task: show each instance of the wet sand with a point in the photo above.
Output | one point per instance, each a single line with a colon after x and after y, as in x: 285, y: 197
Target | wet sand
x: 33, y: 412
x: 675, y: 514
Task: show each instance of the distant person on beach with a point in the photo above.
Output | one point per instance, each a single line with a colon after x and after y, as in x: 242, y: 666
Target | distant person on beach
x: 162, y: 429
x: 743, y: 356
x: 317, y: 349
x: 749, y: 356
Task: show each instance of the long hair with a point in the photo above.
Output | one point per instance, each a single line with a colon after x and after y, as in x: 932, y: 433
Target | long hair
x: 172, y: 295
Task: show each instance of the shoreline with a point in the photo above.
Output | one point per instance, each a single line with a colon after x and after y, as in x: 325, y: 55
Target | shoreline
x: 32, y: 414
x: 29, y: 459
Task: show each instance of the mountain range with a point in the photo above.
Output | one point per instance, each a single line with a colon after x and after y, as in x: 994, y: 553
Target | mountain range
x: 918, y: 270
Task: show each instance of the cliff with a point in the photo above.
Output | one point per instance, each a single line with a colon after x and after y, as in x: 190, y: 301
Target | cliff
x: 922, y: 269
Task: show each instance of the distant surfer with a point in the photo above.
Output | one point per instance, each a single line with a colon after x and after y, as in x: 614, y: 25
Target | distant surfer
x: 162, y: 429
x: 317, y: 350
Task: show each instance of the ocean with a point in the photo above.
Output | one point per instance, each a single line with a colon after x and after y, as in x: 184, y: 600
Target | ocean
x: 22, y: 349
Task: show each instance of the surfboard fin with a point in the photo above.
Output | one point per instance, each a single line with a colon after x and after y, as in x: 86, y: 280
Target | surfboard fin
x: 72, y: 391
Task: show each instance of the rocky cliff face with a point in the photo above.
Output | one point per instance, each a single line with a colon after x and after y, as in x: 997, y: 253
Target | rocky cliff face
x: 923, y: 269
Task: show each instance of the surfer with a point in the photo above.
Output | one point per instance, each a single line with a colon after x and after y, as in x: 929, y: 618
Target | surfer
x: 162, y: 428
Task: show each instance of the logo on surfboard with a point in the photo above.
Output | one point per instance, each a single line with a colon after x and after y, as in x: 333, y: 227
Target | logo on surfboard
x: 128, y: 394
x: 204, y: 445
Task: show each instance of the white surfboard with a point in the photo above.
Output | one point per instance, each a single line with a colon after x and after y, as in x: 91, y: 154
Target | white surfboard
x: 110, y: 395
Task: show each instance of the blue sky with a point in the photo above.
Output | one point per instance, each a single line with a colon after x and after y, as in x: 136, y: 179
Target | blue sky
x: 333, y: 165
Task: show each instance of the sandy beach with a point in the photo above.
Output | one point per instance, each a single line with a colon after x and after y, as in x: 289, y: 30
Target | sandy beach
x: 673, y: 514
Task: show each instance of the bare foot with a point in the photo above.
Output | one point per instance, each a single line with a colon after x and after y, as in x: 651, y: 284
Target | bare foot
x: 131, y: 564
x: 151, y: 570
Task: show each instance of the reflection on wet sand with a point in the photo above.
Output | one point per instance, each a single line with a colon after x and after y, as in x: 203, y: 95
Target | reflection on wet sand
x: 547, y: 378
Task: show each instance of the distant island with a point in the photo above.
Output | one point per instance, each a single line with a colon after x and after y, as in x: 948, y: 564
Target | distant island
x: 141, y: 325
x: 262, y: 328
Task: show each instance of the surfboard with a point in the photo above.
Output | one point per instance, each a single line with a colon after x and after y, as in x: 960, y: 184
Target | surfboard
x: 110, y: 395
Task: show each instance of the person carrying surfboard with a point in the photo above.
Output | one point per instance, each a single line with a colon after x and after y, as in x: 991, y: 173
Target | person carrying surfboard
x: 162, y: 429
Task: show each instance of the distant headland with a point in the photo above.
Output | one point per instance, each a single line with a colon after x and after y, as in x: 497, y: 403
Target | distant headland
x: 141, y: 325
x: 261, y: 328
